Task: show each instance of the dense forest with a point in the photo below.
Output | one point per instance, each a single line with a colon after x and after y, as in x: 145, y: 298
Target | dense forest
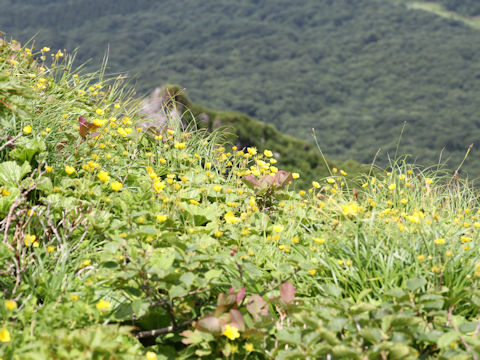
x: 464, y: 7
x: 354, y: 71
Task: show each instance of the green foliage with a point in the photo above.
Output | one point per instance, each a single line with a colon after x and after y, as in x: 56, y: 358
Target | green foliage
x: 464, y: 7
x: 118, y: 242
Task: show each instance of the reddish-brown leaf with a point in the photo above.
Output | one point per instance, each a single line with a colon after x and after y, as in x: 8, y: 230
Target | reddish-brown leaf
x: 282, y: 178
x: 85, y: 127
x: 209, y: 324
x: 287, y: 292
x: 257, y: 306
x: 237, y: 319
x: 266, y: 181
x: 251, y: 181
x: 61, y: 145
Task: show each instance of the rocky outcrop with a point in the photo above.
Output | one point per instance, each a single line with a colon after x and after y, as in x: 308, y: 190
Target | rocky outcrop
x: 161, y: 109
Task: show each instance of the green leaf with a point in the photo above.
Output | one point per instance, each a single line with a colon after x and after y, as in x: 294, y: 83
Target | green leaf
x: 446, y: 339
x: 343, y: 351
x: 399, y: 351
x: 11, y: 173
x: 415, y: 284
x: 177, y: 291
x: 212, y: 274
x: 27, y: 148
x: 163, y: 258
x: 289, y: 336
x: 187, y: 279
x: 332, y: 290
x: 140, y: 307
x: 361, y: 308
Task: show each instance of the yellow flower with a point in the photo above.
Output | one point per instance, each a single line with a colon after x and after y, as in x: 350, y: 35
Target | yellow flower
x: 295, y: 175
x: 319, y: 241
x: 231, y: 332
x: 428, y: 181
x: 312, y: 272
x: 161, y: 218
x: 252, y: 150
x: 343, y: 173
x: 439, y: 241
x: 217, y: 188
x: 103, y: 176
x: 158, y: 186
x: 392, y: 186
x: 277, y: 228
x: 5, y: 335
x: 10, y: 304
x: 248, y: 347
x: 50, y: 248
x: 116, y: 186
x: 151, y: 355
x: 48, y: 168
x: 100, y: 112
x: 421, y: 257
x: 74, y: 297
x: 30, y: 240
x: 5, y: 192
x: 268, y: 153
x: 45, y: 49
x: 230, y: 218
x: 99, y: 122
x: 69, y: 170
x: 315, y: 184
x: 351, y: 209
x: 103, y: 305
x: 27, y: 129
x: 330, y: 180
x: 180, y: 145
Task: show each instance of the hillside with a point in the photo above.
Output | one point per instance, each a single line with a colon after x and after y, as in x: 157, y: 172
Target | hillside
x: 355, y: 71
x: 123, y: 243
x: 242, y: 131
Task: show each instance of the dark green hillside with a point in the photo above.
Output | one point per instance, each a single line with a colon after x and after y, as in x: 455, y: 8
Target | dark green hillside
x: 354, y: 70
x: 464, y: 7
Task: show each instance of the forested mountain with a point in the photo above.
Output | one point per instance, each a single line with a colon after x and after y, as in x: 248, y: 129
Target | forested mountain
x: 354, y: 70
x: 464, y: 7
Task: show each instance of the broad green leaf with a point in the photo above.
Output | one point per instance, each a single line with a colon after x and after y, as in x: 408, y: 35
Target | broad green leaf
x: 415, y: 284
x: 343, y: 351
x: 187, y: 279
x: 446, y: 339
x: 26, y: 149
x: 11, y: 173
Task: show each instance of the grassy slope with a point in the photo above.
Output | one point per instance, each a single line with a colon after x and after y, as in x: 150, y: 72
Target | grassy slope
x: 354, y: 71
x: 122, y: 228
x: 242, y: 131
